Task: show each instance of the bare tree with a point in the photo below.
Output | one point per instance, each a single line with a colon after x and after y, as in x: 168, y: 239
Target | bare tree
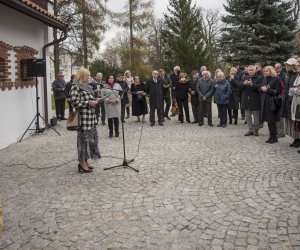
x: 212, y: 29
x: 296, y: 8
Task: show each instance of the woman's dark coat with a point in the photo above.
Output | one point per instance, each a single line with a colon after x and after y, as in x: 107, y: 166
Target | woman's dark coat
x: 139, y: 103
x: 274, y: 89
x: 234, y: 100
x: 250, y: 94
x: 285, y: 111
x: 182, y: 90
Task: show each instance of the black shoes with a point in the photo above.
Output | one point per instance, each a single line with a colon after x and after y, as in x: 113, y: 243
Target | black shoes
x: 82, y: 170
x: 210, y: 124
x: 117, y: 134
x: 272, y: 140
x: 160, y: 124
x: 110, y: 135
x: 152, y: 124
x: 200, y: 124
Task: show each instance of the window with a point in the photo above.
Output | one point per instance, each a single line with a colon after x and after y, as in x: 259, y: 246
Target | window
x: 24, y: 68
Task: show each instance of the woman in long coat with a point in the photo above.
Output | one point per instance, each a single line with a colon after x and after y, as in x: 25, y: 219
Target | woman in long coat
x: 181, y: 92
x: 139, y: 103
x: 287, y: 102
x: 234, y: 100
x: 270, y: 88
x: 112, y: 105
x: 82, y: 98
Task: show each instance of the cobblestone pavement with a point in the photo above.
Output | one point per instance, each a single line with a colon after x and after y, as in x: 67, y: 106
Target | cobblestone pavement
x: 198, y: 188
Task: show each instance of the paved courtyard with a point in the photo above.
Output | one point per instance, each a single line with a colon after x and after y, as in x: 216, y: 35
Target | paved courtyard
x: 198, y: 188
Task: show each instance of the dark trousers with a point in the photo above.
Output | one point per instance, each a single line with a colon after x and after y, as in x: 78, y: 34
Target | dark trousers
x: 205, y: 108
x: 113, y: 122
x: 128, y: 111
x: 60, y: 108
x: 100, y: 108
x: 183, y: 104
x: 159, y: 115
x: 123, y: 107
x: 222, y: 108
x: 166, y: 105
x: 70, y: 106
x: 196, y: 112
x: 272, y: 130
x: 235, y: 115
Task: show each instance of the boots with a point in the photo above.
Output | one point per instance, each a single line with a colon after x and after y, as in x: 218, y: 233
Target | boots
x: 273, y: 133
x: 235, y: 116
x: 116, y: 123
x: 110, y: 127
x: 230, y: 116
x: 296, y: 143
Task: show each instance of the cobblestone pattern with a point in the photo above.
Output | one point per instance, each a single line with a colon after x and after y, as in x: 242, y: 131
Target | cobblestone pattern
x: 198, y: 188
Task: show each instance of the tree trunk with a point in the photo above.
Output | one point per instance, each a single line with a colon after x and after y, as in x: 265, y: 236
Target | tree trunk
x: 131, y: 34
x: 84, y: 40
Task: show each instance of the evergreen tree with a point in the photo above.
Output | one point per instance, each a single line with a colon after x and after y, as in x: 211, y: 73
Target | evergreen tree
x: 258, y: 31
x: 183, y: 36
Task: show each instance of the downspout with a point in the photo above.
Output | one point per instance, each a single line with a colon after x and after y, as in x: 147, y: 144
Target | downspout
x: 65, y: 35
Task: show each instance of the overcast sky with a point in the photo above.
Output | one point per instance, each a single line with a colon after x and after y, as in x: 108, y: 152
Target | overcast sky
x: 160, y: 7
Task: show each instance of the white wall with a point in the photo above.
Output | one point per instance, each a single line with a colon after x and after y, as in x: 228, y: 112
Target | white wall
x: 18, y: 106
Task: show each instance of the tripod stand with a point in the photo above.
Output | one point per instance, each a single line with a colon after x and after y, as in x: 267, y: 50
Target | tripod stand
x: 37, y: 128
x: 126, y: 162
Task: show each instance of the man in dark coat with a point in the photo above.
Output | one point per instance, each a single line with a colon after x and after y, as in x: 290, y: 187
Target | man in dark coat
x: 67, y: 92
x: 97, y: 85
x: 282, y: 76
x: 205, y: 89
x: 251, y: 99
x: 167, y: 83
x: 194, y: 95
x: 58, y: 87
x: 155, y: 92
x: 124, y: 95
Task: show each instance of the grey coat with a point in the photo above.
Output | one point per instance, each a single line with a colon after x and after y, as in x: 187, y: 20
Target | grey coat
x: 205, y: 87
x: 112, y: 110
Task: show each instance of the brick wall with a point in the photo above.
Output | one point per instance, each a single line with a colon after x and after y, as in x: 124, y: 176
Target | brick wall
x: 20, y: 53
x: 5, y: 65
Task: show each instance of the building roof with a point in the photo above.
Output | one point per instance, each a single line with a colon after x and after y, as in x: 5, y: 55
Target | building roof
x: 40, y: 9
x: 30, y: 8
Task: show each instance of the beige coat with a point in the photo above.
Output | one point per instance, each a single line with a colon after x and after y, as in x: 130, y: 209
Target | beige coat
x: 112, y: 110
x: 296, y: 98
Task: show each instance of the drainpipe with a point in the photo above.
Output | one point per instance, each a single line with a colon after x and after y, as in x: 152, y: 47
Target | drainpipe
x: 65, y: 35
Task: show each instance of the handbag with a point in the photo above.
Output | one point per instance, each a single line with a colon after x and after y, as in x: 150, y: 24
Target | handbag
x: 297, y: 114
x: 73, y: 122
x: 275, y: 102
x: 175, y: 110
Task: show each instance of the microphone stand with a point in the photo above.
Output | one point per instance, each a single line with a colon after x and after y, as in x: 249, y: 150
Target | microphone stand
x: 126, y: 162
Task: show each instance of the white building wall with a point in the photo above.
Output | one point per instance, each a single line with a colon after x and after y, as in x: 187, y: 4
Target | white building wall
x: 18, y: 106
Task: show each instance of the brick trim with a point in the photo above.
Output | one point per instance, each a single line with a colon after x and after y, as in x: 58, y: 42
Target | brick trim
x: 21, y: 53
x: 5, y: 80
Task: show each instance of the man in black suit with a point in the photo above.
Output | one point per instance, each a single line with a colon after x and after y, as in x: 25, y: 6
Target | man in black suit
x: 155, y: 92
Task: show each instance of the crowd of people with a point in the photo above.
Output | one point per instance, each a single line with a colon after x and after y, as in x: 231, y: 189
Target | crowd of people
x: 261, y: 94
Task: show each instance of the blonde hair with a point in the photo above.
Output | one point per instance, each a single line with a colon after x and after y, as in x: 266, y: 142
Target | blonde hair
x: 216, y: 72
x: 220, y: 74
x: 271, y: 69
x: 234, y: 69
x: 81, y: 73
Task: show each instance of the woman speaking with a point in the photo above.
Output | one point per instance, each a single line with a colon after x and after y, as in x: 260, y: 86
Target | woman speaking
x: 83, y: 100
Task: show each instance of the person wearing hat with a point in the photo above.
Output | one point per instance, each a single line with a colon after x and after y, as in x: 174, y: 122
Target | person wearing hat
x: 287, y: 98
x: 58, y: 87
